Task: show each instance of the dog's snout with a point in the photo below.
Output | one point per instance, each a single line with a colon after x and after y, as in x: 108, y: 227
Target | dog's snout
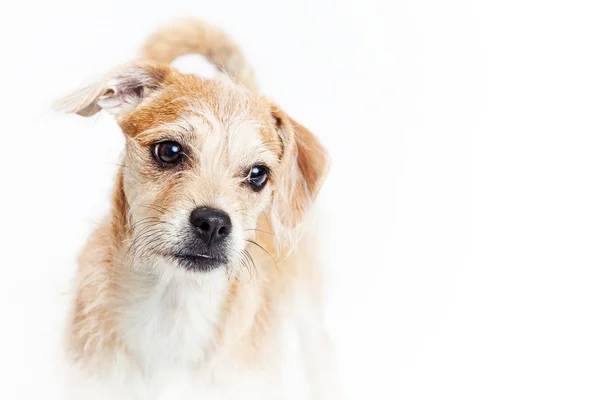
x: 211, y: 225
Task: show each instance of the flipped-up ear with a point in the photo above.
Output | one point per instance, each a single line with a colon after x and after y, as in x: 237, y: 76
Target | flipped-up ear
x: 118, y: 92
x: 305, y: 165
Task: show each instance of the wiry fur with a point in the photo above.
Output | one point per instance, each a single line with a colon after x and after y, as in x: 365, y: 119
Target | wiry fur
x: 144, y: 327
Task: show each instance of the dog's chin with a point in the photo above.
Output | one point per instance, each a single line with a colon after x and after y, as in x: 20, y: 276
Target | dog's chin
x: 199, y: 262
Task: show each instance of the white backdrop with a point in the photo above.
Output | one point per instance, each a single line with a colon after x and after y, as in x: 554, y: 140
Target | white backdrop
x: 462, y: 206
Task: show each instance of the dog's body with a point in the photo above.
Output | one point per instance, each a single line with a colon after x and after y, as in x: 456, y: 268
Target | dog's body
x: 200, y: 284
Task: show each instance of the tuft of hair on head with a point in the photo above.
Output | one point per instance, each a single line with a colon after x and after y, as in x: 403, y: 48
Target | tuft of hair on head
x: 193, y: 36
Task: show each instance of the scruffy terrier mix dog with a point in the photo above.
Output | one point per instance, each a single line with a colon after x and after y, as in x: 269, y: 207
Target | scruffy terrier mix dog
x: 194, y: 284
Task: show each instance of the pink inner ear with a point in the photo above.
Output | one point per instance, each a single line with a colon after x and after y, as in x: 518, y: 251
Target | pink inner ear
x: 125, y: 92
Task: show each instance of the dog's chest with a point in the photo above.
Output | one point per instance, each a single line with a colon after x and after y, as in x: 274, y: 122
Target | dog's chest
x: 173, y: 322
x: 169, y: 377
x: 171, y: 329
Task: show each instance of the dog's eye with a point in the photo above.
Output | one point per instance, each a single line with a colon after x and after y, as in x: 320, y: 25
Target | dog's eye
x: 168, y: 153
x: 258, y: 176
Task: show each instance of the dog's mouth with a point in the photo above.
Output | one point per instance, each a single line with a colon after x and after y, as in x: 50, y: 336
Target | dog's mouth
x: 199, y: 261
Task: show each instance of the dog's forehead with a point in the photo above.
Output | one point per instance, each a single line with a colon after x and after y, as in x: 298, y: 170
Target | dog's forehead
x: 238, y: 136
x: 213, y: 111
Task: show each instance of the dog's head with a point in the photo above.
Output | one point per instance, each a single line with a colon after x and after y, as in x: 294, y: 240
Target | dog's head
x: 204, y: 161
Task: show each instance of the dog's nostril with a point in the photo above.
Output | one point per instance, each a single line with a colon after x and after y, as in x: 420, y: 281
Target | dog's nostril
x: 222, y: 231
x: 205, y: 226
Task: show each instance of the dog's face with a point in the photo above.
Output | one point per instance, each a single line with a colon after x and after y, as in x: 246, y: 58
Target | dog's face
x: 197, y: 180
x: 204, y: 160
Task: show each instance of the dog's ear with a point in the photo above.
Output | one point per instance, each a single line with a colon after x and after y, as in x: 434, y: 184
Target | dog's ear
x: 304, y: 166
x: 118, y: 92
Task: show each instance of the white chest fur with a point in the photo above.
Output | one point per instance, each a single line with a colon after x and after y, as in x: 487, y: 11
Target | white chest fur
x: 169, y: 326
x: 172, y: 321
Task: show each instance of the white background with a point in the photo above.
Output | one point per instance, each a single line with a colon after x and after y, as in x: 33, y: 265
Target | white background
x: 463, y: 203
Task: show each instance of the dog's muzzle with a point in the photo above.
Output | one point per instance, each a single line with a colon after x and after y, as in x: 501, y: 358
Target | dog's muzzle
x: 206, y: 249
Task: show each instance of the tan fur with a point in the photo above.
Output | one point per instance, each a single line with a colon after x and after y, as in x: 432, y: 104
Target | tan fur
x: 195, y: 37
x: 153, y: 102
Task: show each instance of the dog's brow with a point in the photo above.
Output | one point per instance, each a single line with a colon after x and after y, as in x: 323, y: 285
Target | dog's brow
x: 181, y: 129
x: 205, y: 116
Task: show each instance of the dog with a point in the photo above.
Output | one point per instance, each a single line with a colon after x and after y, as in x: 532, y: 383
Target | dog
x: 203, y: 281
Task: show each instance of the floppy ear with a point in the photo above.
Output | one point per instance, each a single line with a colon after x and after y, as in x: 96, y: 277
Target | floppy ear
x: 305, y: 164
x: 118, y: 92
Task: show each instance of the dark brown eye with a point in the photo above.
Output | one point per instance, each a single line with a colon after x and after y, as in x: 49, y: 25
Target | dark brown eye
x: 168, y: 153
x: 258, y: 176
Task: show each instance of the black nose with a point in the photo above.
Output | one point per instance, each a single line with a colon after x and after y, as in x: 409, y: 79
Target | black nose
x: 212, y: 225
